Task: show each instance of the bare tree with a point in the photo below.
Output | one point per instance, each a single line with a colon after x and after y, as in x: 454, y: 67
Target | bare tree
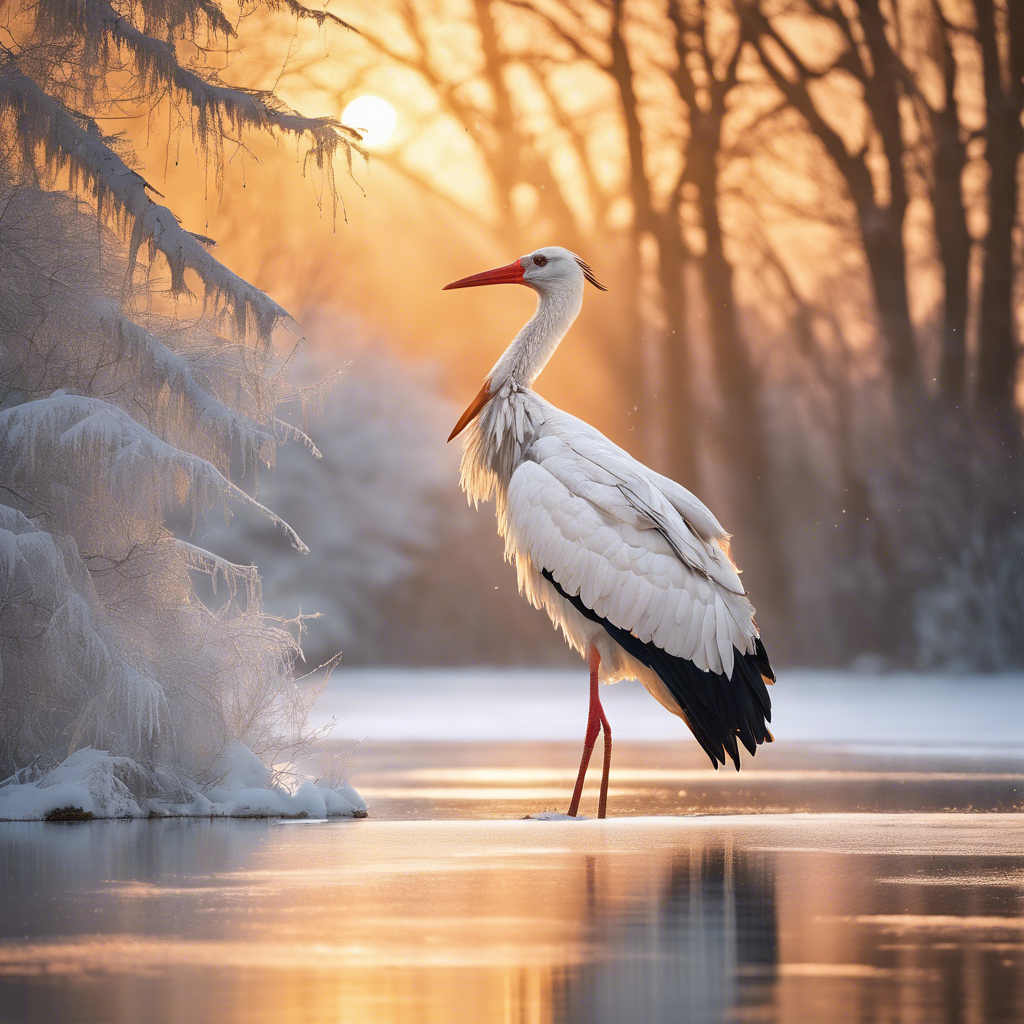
x: 948, y: 160
x: 866, y: 54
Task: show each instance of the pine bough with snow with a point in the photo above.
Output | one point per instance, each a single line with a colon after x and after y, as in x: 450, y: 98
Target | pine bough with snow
x: 121, y: 693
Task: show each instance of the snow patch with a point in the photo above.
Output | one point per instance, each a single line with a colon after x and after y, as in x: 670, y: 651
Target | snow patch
x: 90, y: 780
x: 239, y: 768
x: 343, y: 800
x: 105, y: 786
x: 906, y: 709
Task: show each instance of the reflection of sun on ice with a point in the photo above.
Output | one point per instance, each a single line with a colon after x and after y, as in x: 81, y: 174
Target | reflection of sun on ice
x: 374, y: 117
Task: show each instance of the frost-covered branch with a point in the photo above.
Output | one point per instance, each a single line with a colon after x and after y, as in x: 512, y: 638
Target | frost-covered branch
x: 321, y: 17
x: 216, y: 568
x: 61, y: 329
x: 97, y: 438
x: 73, y: 143
x: 216, y: 106
x: 290, y: 432
x: 161, y: 368
x: 60, y: 626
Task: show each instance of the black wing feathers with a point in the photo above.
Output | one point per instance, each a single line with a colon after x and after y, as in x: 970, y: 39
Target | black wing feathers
x: 719, y: 710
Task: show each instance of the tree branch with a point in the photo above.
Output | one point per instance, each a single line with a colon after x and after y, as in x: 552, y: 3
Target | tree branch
x: 74, y: 142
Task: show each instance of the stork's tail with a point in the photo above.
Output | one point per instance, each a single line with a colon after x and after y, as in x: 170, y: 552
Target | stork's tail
x: 719, y: 709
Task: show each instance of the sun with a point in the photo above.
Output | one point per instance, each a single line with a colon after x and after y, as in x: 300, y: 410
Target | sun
x: 372, y: 116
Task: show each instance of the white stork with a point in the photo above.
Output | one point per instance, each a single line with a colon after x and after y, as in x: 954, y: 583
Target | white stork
x: 631, y: 566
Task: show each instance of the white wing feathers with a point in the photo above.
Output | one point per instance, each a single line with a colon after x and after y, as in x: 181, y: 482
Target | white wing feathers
x: 638, y: 549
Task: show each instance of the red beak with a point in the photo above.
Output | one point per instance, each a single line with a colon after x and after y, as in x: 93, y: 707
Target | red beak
x: 512, y: 274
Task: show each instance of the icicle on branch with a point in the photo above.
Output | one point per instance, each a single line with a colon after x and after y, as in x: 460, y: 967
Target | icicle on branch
x: 217, y: 567
x: 171, y: 17
x: 289, y: 432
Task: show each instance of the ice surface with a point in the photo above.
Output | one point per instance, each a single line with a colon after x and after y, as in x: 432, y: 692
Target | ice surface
x: 105, y: 786
x: 781, y: 919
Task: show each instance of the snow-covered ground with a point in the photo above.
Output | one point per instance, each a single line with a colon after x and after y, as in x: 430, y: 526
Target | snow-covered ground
x: 909, y: 709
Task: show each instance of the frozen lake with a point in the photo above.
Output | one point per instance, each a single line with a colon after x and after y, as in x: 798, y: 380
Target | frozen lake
x: 837, y: 878
x: 864, y: 917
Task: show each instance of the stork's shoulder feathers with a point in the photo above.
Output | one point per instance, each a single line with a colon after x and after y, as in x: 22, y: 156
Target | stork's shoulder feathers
x: 592, y: 446
x: 638, y: 549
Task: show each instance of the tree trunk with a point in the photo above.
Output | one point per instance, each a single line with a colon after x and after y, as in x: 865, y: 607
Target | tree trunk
x: 954, y: 239
x: 664, y: 228
x: 883, y: 227
x: 620, y: 334
x: 743, y: 427
x: 677, y: 360
x: 882, y: 231
x: 997, y: 350
x: 955, y: 253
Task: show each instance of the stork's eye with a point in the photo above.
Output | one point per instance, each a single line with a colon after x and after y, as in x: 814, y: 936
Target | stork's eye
x: 540, y: 261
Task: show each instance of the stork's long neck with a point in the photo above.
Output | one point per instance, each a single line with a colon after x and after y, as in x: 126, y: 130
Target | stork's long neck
x: 557, y: 307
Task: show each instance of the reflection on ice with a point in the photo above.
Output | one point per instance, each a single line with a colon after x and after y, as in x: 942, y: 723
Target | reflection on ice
x: 683, y: 956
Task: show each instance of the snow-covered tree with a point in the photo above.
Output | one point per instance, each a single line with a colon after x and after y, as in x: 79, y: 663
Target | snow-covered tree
x: 136, y: 373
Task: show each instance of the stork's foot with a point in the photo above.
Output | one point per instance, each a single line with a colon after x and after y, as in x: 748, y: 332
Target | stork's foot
x: 555, y: 816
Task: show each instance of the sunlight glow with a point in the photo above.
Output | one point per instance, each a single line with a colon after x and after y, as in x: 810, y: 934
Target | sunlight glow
x: 372, y: 116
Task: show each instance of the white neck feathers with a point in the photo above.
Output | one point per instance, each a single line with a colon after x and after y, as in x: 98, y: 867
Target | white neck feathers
x: 558, y: 305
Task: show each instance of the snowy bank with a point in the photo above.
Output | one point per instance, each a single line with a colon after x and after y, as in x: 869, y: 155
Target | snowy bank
x: 94, y: 783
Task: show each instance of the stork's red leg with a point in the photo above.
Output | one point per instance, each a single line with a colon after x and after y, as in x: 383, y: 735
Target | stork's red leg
x: 602, y: 805
x: 595, y: 720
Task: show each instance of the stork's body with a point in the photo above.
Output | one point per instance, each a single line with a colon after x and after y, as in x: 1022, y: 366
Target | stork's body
x: 631, y: 566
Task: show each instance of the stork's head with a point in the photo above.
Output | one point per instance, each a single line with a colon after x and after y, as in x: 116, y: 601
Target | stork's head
x: 559, y: 277
x: 544, y: 270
